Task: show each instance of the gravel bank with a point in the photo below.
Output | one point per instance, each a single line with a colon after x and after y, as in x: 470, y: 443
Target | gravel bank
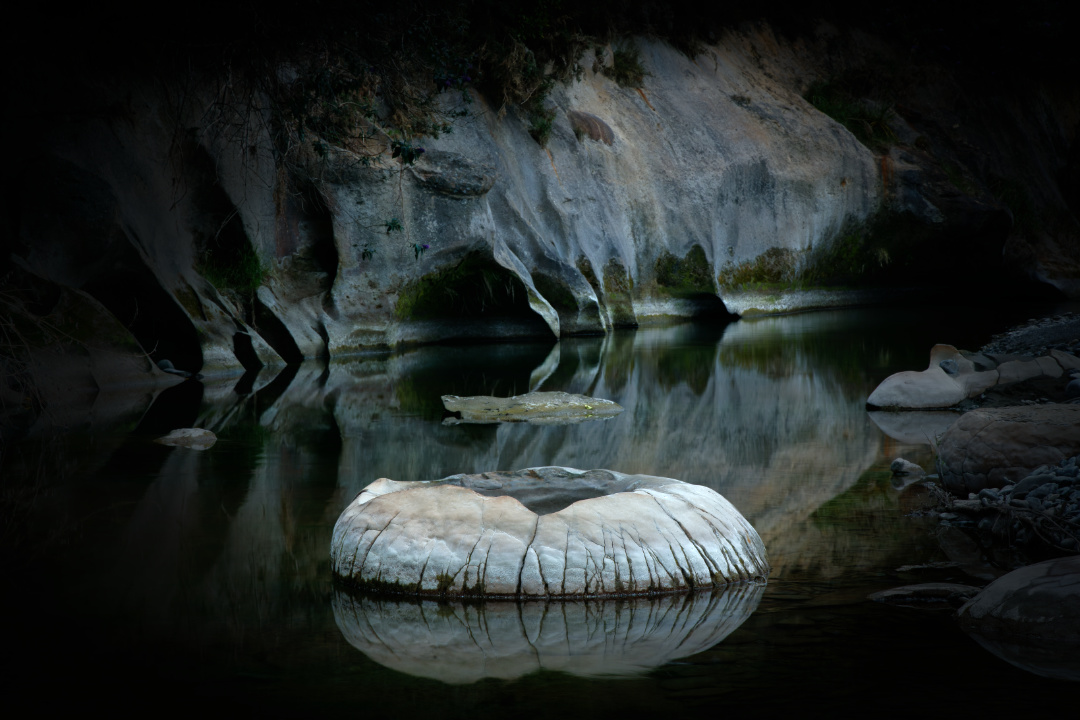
x: 1039, y: 336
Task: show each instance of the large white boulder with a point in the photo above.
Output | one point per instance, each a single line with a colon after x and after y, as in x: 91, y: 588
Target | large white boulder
x: 543, y: 532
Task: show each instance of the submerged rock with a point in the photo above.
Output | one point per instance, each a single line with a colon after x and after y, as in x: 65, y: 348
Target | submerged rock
x: 542, y: 408
x: 906, y: 468
x: 464, y: 643
x: 543, y: 532
x: 1031, y: 618
x: 926, y: 595
x: 194, y: 438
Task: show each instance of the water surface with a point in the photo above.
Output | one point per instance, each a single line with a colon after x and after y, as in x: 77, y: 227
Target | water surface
x: 139, y: 572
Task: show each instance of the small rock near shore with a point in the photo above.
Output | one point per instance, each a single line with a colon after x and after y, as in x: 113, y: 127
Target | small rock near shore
x: 193, y: 438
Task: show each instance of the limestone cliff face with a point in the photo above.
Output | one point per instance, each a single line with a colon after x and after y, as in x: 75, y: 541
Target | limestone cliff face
x: 628, y: 214
x: 171, y: 209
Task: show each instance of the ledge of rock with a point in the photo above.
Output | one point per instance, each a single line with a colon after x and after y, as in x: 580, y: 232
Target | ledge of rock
x: 926, y: 595
x: 991, y: 447
x: 543, y: 532
x: 463, y: 643
x: 541, y: 408
x: 453, y: 174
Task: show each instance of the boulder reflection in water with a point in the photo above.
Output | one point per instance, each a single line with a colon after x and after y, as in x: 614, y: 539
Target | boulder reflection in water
x: 456, y: 642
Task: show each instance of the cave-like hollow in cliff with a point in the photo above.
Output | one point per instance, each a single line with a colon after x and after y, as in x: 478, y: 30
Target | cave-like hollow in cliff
x: 472, y: 296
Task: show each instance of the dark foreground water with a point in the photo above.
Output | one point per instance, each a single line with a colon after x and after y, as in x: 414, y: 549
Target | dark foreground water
x: 148, y: 579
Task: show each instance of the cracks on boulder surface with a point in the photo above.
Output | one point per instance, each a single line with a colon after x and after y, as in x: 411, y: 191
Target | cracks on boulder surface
x: 615, y: 555
x: 629, y: 561
x: 525, y: 555
x: 566, y: 559
x: 423, y: 568
x: 363, y: 563
x: 465, y: 566
x: 687, y: 572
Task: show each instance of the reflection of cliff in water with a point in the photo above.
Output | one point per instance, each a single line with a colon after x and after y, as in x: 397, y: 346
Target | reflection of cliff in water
x: 757, y: 411
x: 461, y: 643
x: 222, y: 544
x: 768, y: 413
x: 775, y: 429
x: 224, y: 553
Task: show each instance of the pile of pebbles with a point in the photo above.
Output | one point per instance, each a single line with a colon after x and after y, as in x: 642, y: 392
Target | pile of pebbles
x: 1032, y: 340
x: 1042, y: 508
x: 1039, y: 336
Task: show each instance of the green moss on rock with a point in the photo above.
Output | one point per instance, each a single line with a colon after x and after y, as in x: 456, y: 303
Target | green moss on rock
x: 233, y: 266
x: 774, y: 267
x: 189, y: 300
x: 887, y: 247
x: 618, y: 286
x: 476, y: 286
x: 689, y: 275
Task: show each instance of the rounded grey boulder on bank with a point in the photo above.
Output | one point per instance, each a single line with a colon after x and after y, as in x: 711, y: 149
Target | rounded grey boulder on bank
x: 991, y: 447
x: 948, y: 380
x: 543, y: 532
x: 954, y: 376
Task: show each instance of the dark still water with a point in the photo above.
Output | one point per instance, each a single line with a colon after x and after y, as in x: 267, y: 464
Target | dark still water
x: 145, y: 577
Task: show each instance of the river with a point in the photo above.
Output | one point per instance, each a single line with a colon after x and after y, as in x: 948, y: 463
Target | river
x: 139, y: 573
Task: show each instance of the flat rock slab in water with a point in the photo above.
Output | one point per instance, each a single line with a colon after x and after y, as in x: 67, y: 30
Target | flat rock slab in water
x: 542, y: 408
x: 543, y: 532
x: 194, y: 438
x: 926, y: 595
x: 455, y: 642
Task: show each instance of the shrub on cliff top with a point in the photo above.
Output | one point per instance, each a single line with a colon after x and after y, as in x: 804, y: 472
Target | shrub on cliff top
x: 626, y: 68
x: 867, y: 120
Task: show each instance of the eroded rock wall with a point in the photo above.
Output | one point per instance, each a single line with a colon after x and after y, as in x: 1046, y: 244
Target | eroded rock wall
x: 173, y: 208
x: 625, y: 217
x: 159, y: 194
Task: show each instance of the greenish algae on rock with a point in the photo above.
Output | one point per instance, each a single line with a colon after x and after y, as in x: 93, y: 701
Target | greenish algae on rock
x: 618, y: 289
x: 541, y: 408
x: 690, y: 275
